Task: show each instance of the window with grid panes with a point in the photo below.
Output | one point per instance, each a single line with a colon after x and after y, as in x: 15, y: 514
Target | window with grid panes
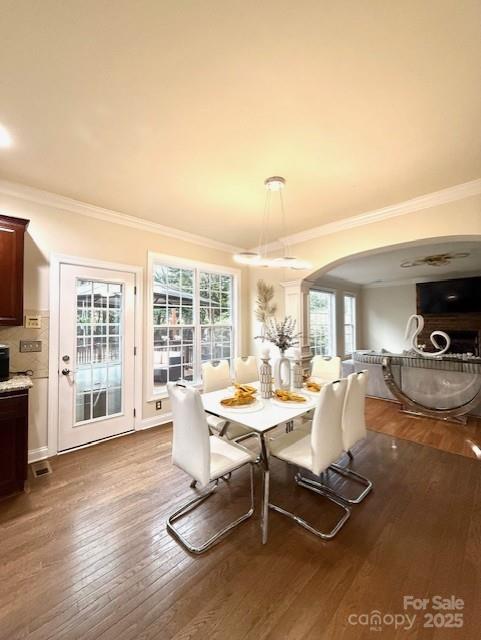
x: 322, y: 322
x: 349, y: 324
x: 192, y: 321
x: 174, y: 324
x: 215, y: 307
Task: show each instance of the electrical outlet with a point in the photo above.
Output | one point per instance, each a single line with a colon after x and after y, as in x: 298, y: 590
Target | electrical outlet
x: 33, y: 322
x: 158, y: 405
x: 30, y: 346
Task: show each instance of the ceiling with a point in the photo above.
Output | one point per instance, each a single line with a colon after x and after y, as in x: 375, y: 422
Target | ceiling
x: 385, y: 267
x: 176, y: 111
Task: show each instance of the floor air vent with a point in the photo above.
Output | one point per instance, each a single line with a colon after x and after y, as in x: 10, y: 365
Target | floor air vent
x: 41, y: 468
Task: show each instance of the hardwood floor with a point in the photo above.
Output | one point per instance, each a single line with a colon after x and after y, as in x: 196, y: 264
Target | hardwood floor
x: 385, y: 417
x: 86, y: 555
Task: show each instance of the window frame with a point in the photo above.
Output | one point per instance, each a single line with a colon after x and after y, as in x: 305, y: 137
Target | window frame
x: 333, y: 316
x: 155, y: 259
x: 349, y: 294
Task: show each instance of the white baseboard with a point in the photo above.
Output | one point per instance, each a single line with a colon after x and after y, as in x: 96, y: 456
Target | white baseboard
x: 147, y: 423
x: 155, y: 421
x: 37, y: 454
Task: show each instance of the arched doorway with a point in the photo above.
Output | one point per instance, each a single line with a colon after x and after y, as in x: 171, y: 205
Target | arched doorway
x: 345, y: 279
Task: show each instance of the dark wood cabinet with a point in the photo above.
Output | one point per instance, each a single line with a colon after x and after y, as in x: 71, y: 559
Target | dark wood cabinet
x: 12, y: 232
x: 13, y: 441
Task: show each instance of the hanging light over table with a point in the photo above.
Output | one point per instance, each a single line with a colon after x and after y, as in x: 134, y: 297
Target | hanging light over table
x: 258, y: 258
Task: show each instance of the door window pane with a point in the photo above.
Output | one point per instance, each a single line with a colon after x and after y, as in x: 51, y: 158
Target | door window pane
x: 98, y: 377
x: 322, y: 323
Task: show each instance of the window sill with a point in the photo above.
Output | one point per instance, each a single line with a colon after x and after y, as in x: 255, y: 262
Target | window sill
x: 162, y: 393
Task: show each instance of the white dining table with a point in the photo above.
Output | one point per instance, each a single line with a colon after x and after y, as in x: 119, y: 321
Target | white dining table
x: 270, y: 415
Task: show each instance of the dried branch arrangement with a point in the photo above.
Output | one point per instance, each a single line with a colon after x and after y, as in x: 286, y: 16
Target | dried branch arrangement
x: 282, y: 334
x: 265, y: 308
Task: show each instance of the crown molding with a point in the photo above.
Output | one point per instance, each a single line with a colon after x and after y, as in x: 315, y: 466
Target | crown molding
x: 48, y: 198
x: 451, y: 194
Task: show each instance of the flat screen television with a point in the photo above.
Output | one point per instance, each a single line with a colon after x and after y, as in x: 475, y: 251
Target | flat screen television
x: 461, y: 295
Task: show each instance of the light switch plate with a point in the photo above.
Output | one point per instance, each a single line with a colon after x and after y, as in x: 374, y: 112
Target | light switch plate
x: 30, y: 346
x: 33, y: 322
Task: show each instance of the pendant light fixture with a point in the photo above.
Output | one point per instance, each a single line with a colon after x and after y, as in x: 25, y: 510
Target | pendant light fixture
x: 274, y: 184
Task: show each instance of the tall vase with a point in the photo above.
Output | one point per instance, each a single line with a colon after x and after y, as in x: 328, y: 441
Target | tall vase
x: 297, y: 377
x: 282, y: 372
x: 265, y: 375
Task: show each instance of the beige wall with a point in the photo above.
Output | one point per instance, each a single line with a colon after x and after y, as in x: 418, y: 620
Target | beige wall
x: 385, y: 311
x: 460, y: 218
x: 57, y: 231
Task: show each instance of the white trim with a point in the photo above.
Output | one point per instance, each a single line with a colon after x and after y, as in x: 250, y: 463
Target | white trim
x: 48, y: 198
x: 56, y: 260
x: 350, y: 294
x: 162, y: 258
x: 437, y: 198
x: 175, y: 261
x: 155, y: 421
x: 34, y: 455
x: 333, y: 320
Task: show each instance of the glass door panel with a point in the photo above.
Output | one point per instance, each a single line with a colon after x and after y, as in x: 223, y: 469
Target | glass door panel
x: 98, y: 379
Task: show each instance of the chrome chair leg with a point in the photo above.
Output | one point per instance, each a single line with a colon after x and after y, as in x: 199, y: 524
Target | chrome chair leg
x: 347, y: 473
x: 356, y: 477
x: 191, y: 505
x: 303, y: 523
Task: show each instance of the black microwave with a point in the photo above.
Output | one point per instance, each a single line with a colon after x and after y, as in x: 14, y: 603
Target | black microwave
x: 4, y: 362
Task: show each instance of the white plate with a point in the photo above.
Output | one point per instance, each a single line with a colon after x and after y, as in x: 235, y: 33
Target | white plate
x: 245, y: 408
x: 292, y: 404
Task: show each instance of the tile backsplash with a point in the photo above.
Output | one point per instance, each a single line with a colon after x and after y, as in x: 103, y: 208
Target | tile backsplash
x: 38, y: 361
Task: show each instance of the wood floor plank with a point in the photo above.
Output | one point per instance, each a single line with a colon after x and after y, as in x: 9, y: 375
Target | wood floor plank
x: 86, y: 554
x: 385, y: 417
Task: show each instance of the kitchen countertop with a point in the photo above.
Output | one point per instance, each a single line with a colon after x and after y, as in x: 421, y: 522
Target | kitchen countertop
x: 16, y: 383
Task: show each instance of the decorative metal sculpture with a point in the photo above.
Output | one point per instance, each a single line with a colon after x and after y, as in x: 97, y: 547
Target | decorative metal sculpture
x: 414, y: 327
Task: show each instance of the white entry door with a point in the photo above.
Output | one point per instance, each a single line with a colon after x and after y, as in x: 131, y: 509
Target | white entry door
x: 96, y: 354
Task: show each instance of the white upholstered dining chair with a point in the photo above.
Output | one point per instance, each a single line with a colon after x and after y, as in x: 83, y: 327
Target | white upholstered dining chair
x: 353, y: 424
x: 215, y: 376
x: 326, y: 368
x: 245, y: 369
x: 204, y: 457
x: 354, y: 429
x: 315, y: 451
